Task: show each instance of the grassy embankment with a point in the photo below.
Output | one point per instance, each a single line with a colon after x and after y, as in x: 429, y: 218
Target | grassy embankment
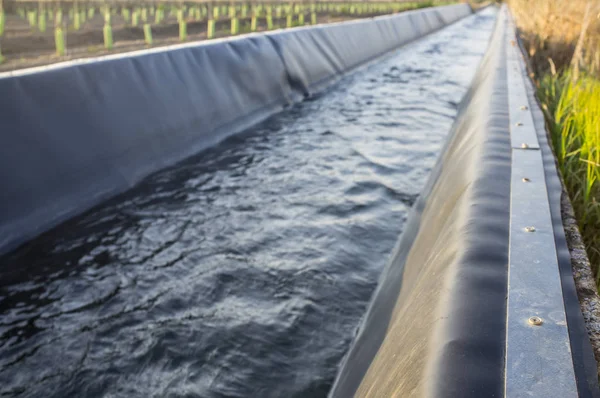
x: 563, y: 41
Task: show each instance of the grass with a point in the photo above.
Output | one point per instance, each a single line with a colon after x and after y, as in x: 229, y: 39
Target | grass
x: 573, y: 107
x: 562, y: 38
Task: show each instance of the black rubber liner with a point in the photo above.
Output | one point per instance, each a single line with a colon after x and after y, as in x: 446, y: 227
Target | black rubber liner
x: 437, y: 323
x: 76, y: 134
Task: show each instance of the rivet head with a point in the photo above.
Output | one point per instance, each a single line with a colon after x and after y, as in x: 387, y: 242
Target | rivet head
x: 524, y: 146
x: 525, y: 179
x: 529, y: 229
x: 524, y: 108
x: 535, y: 321
x: 519, y: 124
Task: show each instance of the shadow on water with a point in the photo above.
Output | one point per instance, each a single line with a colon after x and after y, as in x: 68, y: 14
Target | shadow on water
x: 245, y: 270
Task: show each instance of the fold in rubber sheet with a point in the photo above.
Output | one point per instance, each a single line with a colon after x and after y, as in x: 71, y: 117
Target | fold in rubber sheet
x: 316, y: 56
x: 437, y: 324
x: 77, y: 133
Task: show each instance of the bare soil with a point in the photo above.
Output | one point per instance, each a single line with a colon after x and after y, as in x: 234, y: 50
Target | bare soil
x: 24, y: 47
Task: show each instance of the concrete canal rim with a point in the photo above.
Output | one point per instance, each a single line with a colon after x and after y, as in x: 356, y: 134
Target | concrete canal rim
x: 470, y: 248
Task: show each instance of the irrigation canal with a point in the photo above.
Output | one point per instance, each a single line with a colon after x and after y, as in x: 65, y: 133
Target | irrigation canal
x: 243, y: 271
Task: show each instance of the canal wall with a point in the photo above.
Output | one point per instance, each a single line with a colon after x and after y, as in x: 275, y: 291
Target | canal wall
x: 478, y: 298
x: 78, y: 133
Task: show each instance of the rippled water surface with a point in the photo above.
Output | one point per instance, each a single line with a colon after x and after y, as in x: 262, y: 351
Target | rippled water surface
x: 244, y: 271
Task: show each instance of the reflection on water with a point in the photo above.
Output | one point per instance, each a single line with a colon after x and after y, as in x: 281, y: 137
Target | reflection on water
x: 242, y: 272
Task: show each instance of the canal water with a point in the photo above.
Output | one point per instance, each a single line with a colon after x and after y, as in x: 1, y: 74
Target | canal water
x: 244, y: 271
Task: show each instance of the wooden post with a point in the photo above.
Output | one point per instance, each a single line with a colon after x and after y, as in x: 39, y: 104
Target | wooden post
x: 2, y: 18
x: 289, y: 15
x: 148, y: 34
x: 234, y: 20
x: 135, y: 17
x: 32, y: 18
x: 270, y: 17
x: 76, y: 20
x: 125, y: 14
x: 41, y: 17
x: 59, y: 35
x: 254, y: 18
x: 2, y: 25
x: 107, y: 30
x: 210, y: 28
x: 158, y: 15
x: 182, y: 25
x: 210, y: 33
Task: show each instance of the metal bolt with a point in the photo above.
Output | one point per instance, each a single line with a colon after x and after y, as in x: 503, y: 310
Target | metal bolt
x: 519, y: 124
x: 525, y: 179
x: 529, y: 229
x: 524, y: 146
x: 535, y: 321
x: 524, y: 108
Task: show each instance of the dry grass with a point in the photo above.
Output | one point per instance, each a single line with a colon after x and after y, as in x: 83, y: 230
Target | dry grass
x: 553, y: 29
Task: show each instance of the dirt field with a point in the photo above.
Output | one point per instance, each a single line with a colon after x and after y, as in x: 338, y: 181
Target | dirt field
x: 23, y: 46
